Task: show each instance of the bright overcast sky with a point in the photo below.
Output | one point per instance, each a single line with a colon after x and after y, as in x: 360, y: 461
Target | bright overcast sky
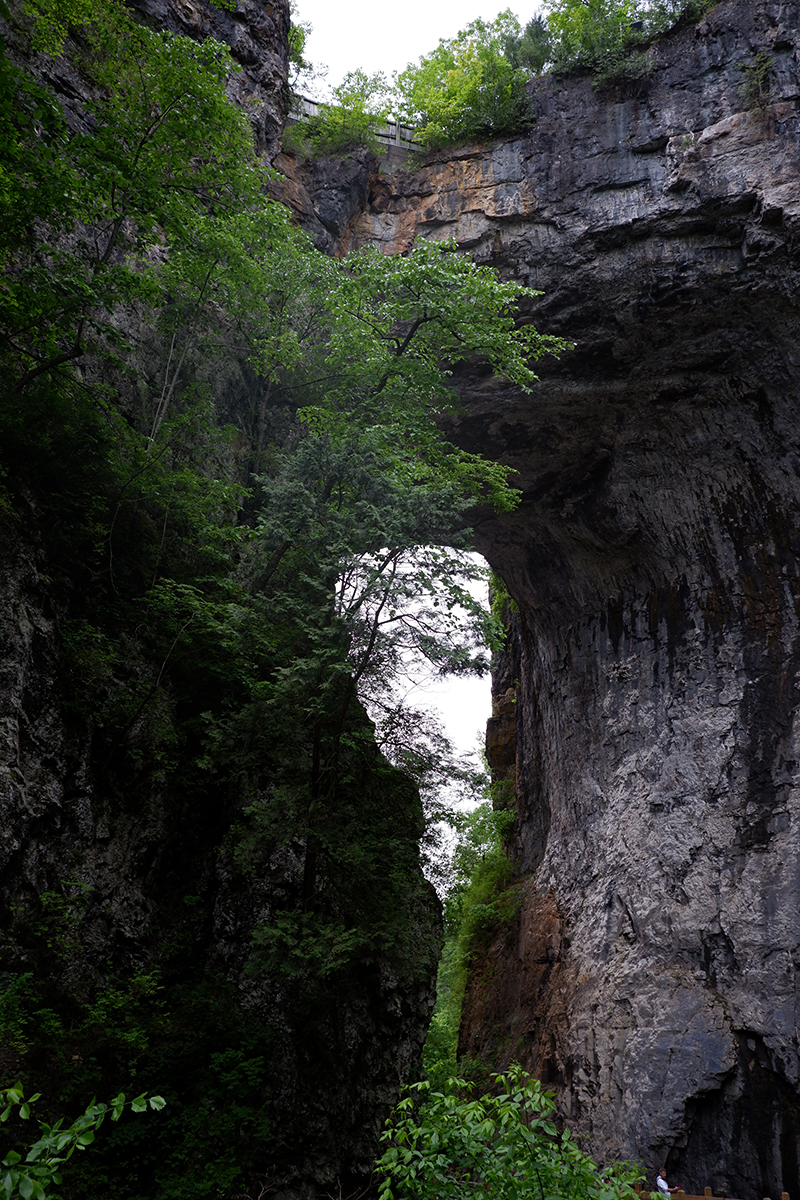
x: 463, y: 703
x: 464, y: 706
x: 386, y: 37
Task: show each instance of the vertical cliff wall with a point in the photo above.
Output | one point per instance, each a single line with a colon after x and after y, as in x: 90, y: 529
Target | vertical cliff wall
x: 647, y: 700
x: 651, y: 975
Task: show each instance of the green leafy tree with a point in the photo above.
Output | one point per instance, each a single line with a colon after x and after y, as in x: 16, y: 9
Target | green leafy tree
x: 164, y: 147
x: 348, y: 543
x: 480, y: 892
x: 299, y: 33
x: 583, y: 31
x: 603, y: 35
x: 352, y: 559
x: 448, y: 1146
x: 531, y: 48
x: 467, y: 88
x: 250, y: 581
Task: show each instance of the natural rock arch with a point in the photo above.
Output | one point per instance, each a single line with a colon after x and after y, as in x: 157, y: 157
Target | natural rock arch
x: 654, y: 558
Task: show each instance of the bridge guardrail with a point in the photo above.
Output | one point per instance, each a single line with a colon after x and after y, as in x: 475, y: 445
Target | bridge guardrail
x: 392, y: 133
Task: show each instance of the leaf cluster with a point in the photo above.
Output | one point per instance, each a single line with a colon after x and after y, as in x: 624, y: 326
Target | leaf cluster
x: 474, y: 86
x: 210, y: 1059
x: 469, y: 87
x: 608, y: 37
x: 238, y: 564
x: 482, y: 894
x: 82, y: 210
x: 359, y: 105
x: 31, y: 1177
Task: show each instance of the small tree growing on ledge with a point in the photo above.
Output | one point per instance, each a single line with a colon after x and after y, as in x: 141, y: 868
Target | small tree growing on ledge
x: 604, y: 35
x: 467, y: 87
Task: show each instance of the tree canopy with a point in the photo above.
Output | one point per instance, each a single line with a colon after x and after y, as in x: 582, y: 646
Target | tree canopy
x: 228, y: 446
x: 474, y: 86
x: 468, y: 87
x: 605, y: 36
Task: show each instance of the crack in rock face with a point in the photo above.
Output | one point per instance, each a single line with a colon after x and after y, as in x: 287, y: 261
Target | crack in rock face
x: 651, y: 972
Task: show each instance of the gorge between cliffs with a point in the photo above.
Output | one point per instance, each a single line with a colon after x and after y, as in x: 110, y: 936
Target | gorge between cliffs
x: 646, y: 702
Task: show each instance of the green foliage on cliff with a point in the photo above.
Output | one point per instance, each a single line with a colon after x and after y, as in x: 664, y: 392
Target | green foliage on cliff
x: 607, y: 37
x: 359, y: 105
x: 467, y: 88
x: 483, y: 895
x: 501, y: 602
x: 474, y: 85
x: 162, y: 149
x: 447, y: 1145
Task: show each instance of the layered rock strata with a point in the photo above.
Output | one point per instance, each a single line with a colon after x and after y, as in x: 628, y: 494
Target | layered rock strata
x: 651, y: 974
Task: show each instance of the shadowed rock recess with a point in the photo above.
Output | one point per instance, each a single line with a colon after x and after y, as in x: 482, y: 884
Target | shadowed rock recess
x: 651, y: 974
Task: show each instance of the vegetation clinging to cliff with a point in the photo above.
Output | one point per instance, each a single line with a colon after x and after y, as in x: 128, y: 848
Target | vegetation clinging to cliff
x: 468, y: 87
x: 482, y: 894
x: 474, y: 85
x: 608, y: 37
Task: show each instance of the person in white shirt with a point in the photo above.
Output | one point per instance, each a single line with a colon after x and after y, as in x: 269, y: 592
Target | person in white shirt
x: 662, y: 1185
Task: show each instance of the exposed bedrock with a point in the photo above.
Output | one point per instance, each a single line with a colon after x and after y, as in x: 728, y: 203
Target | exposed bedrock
x: 652, y: 971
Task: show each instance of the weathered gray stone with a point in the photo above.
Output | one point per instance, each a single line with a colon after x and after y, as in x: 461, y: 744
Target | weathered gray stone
x: 652, y: 973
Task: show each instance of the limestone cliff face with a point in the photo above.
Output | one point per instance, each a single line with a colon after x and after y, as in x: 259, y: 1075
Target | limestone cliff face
x: 652, y: 973
x: 257, y: 33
